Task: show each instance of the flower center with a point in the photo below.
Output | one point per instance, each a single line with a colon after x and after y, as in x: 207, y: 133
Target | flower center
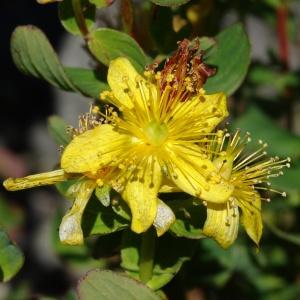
x: 156, y: 133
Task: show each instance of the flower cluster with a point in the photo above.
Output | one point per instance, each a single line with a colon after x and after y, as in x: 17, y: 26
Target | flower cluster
x: 157, y: 134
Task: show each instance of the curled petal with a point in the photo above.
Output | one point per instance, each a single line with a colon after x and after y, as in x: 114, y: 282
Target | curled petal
x: 164, y: 218
x: 222, y: 223
x: 70, y: 231
x: 251, y: 217
x: 47, y: 178
x: 140, y: 193
x: 93, y: 149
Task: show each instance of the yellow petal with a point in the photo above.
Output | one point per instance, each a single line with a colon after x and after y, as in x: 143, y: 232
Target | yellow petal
x: 197, y: 177
x: 93, y: 149
x: 167, y: 186
x: 216, y: 106
x: 198, y: 116
x: 47, y: 178
x: 140, y: 193
x: 128, y: 86
x: 70, y: 231
x: 251, y: 217
x: 164, y: 218
x: 222, y: 223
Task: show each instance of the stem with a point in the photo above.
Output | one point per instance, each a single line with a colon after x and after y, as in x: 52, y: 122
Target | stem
x: 147, y: 255
x: 79, y: 17
x: 282, y: 18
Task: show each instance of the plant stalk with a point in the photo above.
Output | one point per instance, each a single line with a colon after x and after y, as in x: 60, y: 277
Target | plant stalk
x: 80, y: 20
x: 147, y: 251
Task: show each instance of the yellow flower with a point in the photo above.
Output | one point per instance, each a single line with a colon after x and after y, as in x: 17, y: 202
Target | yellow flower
x: 154, y: 139
x: 248, y: 174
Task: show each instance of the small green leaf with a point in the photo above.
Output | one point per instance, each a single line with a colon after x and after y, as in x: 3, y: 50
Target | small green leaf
x: 166, y: 263
x: 188, y: 222
x: 231, y: 56
x: 33, y: 55
x: 11, y: 258
x: 280, y: 142
x: 67, y: 16
x: 170, y: 2
x: 86, y: 81
x: 108, y: 44
x: 57, y: 128
x: 107, y: 285
x: 103, y: 194
x: 100, y: 220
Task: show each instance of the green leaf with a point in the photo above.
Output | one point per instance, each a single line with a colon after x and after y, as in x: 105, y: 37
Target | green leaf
x: 86, y: 81
x: 57, y: 128
x: 33, y: 55
x: 231, y: 56
x: 100, y: 220
x: 280, y: 142
x: 166, y: 263
x: 170, y: 2
x: 188, y: 222
x: 67, y: 16
x: 107, y: 285
x: 108, y: 44
x: 11, y: 258
x: 102, y: 3
x: 274, y: 79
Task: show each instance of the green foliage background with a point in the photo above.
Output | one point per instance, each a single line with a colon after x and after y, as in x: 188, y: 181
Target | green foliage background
x: 205, y: 271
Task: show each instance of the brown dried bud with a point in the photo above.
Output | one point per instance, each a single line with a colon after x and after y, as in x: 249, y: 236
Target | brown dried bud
x: 185, y: 70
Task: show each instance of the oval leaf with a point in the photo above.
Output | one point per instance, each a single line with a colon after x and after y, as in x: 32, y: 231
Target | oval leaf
x: 107, y: 285
x: 67, y: 16
x: 11, y: 258
x: 87, y: 81
x: 33, y: 55
x: 57, y: 128
x: 231, y: 56
x: 108, y: 44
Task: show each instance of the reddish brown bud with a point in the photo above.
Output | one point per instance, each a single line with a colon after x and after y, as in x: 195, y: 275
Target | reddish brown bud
x: 185, y: 70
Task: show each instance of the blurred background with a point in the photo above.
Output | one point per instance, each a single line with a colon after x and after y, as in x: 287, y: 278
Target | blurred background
x: 267, y: 104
